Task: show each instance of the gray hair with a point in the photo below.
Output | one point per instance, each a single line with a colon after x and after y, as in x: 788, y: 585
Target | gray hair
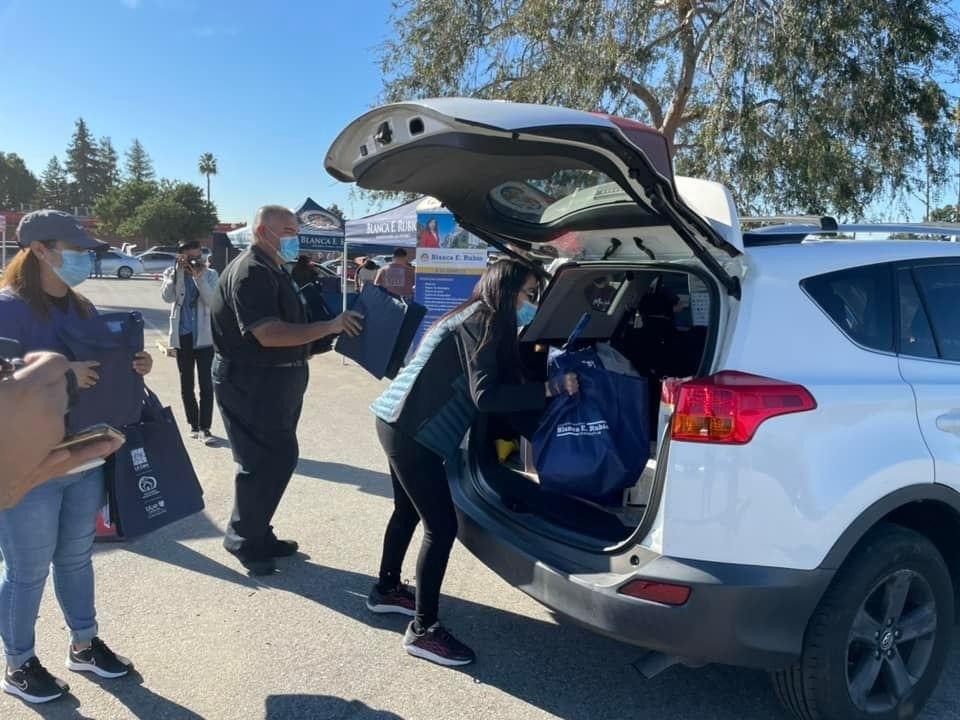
x: 269, y: 212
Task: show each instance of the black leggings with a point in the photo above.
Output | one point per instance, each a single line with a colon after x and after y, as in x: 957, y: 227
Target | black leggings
x: 199, y: 418
x: 420, y: 492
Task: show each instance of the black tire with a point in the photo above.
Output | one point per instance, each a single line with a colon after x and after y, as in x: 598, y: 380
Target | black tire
x: 125, y: 273
x: 832, y: 680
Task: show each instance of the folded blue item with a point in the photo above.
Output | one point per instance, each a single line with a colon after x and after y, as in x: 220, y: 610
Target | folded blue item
x: 113, y: 340
x: 389, y: 326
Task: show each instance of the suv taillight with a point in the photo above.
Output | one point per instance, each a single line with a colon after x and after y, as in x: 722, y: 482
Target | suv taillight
x: 728, y: 407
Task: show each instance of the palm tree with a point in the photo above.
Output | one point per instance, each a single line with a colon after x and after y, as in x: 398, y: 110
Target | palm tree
x: 208, y: 167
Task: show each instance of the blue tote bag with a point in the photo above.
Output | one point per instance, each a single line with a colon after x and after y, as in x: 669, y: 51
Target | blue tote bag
x: 580, y: 454
x: 150, y: 480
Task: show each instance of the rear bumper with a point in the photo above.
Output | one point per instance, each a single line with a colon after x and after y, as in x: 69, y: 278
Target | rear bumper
x: 736, y: 614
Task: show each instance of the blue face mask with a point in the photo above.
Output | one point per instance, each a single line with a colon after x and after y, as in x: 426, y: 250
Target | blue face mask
x: 77, y: 266
x: 526, y: 313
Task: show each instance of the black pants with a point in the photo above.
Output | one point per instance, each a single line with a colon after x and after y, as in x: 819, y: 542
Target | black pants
x: 188, y: 357
x: 260, y: 408
x: 420, y: 492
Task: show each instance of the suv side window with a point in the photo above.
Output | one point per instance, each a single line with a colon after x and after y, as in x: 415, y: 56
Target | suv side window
x: 916, y: 337
x: 860, y: 302
x: 939, y: 287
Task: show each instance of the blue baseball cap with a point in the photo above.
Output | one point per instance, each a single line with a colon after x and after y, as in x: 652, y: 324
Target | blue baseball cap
x: 49, y: 225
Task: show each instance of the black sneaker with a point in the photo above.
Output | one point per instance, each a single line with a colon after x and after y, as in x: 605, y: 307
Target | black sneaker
x: 208, y: 439
x: 31, y: 682
x: 436, y: 644
x: 98, y: 659
x: 400, y: 600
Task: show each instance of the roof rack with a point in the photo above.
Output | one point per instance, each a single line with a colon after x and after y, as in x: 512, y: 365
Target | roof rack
x: 792, y: 234
x: 824, y: 222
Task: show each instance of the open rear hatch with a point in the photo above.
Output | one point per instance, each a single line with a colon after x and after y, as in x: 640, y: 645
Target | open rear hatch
x: 538, y: 181
x: 543, y: 183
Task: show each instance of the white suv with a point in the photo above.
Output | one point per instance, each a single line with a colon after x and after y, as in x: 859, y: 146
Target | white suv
x: 801, y: 508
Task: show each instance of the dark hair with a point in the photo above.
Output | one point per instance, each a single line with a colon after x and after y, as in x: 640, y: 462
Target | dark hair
x: 399, y: 252
x: 497, y: 292
x: 23, y: 277
x: 370, y: 265
x: 188, y: 245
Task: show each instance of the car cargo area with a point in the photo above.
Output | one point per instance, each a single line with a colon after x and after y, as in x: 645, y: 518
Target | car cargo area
x: 662, y: 319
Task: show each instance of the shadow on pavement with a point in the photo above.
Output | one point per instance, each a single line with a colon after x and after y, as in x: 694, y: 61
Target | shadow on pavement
x: 163, y: 546
x: 322, y: 707
x: 141, y: 700
x: 564, y: 670
x: 67, y: 708
x: 369, y: 481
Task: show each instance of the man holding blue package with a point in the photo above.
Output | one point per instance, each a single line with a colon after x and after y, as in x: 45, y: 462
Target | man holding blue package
x: 262, y: 339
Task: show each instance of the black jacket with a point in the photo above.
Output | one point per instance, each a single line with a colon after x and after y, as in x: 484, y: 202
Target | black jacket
x: 459, y: 380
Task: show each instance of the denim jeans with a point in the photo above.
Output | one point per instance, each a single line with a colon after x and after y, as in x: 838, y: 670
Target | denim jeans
x: 54, y: 523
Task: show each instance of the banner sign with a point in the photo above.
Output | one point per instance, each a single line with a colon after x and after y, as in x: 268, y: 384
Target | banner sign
x: 449, y: 262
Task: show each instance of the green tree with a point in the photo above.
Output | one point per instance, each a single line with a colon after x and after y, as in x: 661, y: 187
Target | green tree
x: 334, y: 209
x: 138, y: 164
x: 799, y: 105
x: 208, y: 167
x: 108, y: 161
x: 83, y: 164
x: 162, y: 213
x: 17, y: 184
x: 947, y: 213
x: 121, y: 203
x: 54, y: 189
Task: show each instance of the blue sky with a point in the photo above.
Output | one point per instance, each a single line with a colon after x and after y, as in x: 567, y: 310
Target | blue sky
x: 264, y: 85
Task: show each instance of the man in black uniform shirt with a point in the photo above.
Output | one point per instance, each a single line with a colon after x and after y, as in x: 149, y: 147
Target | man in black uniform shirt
x: 262, y: 339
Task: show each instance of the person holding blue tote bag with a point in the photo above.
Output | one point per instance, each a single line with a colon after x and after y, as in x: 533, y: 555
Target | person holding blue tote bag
x: 467, y: 363
x: 55, y: 522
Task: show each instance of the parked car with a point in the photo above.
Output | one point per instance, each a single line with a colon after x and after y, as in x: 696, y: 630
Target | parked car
x: 156, y: 261
x: 114, y: 262
x: 204, y: 250
x: 801, y: 508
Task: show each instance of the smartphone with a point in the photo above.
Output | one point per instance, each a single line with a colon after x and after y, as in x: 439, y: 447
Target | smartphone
x: 89, y: 435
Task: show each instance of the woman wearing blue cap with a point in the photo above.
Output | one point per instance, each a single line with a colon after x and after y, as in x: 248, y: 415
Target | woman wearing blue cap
x: 55, y: 522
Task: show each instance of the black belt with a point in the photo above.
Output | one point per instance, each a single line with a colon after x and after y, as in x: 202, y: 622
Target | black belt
x: 228, y: 363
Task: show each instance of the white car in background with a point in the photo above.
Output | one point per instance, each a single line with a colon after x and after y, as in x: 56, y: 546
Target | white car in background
x: 156, y: 261
x: 115, y: 263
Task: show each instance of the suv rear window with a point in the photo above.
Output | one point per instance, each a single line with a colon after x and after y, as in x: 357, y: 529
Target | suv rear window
x: 940, y: 288
x: 860, y: 301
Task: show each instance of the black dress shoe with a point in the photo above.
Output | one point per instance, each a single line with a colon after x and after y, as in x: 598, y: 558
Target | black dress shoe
x: 255, y: 565
x: 283, y: 548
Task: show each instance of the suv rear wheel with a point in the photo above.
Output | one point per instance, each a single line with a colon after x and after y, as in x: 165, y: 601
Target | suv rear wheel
x: 877, y: 642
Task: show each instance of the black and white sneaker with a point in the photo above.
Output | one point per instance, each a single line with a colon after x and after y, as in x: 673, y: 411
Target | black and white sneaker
x: 400, y: 601
x: 98, y: 659
x: 33, y: 683
x: 208, y: 439
x: 436, y: 644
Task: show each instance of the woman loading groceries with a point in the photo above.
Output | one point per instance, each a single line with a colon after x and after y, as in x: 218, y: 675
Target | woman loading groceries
x: 468, y: 362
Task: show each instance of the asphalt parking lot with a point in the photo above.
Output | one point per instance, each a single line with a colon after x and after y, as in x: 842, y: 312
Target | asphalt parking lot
x: 210, y: 642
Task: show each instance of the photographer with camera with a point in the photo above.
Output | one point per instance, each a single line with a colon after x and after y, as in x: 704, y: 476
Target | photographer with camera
x: 34, y: 397
x: 190, y: 286
x: 55, y: 522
